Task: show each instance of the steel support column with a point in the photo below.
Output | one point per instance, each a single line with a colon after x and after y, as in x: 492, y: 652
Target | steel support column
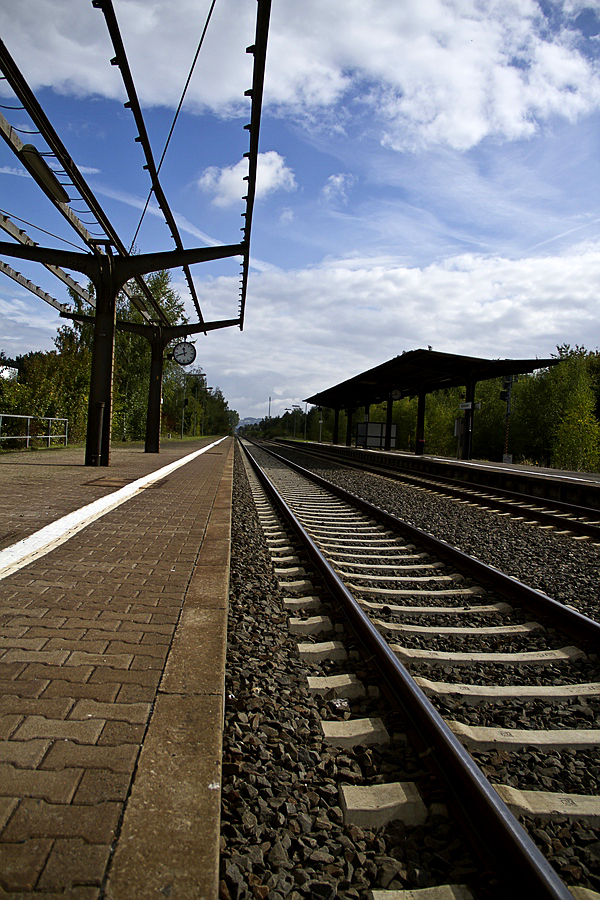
x: 157, y: 348
x: 388, y: 424
x: 420, y: 430
x: 467, y: 445
x: 97, y: 447
x: 349, y: 412
x: 336, y: 426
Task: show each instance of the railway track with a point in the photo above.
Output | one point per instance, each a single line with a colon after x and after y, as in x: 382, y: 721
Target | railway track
x: 580, y: 521
x: 507, y: 671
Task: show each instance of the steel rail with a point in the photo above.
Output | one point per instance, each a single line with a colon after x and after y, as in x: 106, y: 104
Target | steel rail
x: 494, y: 830
x: 568, y: 619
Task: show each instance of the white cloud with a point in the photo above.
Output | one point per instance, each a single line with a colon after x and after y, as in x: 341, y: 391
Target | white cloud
x: 287, y: 216
x: 10, y: 170
x: 227, y: 184
x: 336, y: 188
x: 425, y: 71
x: 477, y: 305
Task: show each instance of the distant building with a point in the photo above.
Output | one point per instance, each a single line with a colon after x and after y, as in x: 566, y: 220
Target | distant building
x: 9, y: 372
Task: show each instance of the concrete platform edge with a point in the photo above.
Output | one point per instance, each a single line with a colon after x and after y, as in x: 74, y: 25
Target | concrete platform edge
x: 175, y: 800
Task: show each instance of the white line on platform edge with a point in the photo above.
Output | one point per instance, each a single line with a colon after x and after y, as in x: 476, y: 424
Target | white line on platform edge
x: 46, y: 539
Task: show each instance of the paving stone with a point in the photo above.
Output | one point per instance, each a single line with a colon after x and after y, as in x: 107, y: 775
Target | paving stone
x: 65, y: 754
x: 22, y: 863
x: 8, y: 725
x: 59, y: 729
x: 51, y: 709
x: 135, y: 693
x: 112, y: 660
x: 50, y: 657
x: 56, y: 634
x: 134, y: 713
x: 103, y: 693
x: 80, y: 646
x: 10, y: 671
x: 131, y: 676
x: 73, y: 862
x: 97, y: 785
x: 7, y: 807
x: 22, y: 687
x: 25, y: 754
x: 21, y: 643
x: 117, y: 733
x: 34, y: 818
x: 76, y: 674
x: 147, y: 664
x: 55, y: 787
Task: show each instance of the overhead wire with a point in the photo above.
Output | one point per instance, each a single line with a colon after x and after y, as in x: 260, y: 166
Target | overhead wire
x: 39, y: 228
x: 176, y: 116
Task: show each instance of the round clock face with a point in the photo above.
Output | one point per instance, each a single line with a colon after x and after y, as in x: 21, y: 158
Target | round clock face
x: 396, y: 394
x: 184, y: 353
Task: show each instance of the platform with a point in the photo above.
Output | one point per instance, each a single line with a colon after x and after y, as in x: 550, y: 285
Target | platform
x: 111, y: 672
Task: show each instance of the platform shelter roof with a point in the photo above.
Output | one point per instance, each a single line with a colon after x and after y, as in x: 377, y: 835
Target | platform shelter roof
x: 420, y: 370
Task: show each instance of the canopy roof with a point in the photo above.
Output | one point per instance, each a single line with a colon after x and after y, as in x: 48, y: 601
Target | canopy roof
x: 418, y: 370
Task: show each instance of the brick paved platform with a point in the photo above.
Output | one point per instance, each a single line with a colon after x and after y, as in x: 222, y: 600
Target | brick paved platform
x: 112, y: 654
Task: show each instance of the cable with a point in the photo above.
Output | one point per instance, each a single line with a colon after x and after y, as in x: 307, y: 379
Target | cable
x: 187, y: 84
x: 25, y: 222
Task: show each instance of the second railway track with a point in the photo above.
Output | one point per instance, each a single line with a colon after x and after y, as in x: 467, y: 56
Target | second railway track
x: 579, y: 520
x: 519, y: 688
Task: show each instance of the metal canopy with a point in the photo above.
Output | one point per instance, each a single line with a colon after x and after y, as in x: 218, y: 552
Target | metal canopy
x: 420, y: 371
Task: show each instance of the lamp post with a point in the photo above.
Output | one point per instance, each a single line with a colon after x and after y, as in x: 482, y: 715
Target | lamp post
x: 198, y: 375
x: 183, y: 403
x: 295, y: 407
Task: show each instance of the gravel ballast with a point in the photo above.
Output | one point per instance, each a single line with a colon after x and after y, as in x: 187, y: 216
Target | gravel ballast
x: 283, y: 834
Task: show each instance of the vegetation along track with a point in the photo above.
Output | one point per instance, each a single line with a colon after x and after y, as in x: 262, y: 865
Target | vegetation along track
x: 519, y: 694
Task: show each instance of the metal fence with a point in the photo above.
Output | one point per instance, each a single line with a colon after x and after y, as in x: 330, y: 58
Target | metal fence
x: 38, y: 429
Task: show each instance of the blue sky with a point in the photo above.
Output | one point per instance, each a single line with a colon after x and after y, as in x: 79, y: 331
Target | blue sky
x: 427, y: 175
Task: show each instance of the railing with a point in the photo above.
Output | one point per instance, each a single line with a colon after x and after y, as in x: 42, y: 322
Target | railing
x: 33, y: 432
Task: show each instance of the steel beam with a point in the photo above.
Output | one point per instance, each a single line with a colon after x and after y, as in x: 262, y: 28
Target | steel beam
x: 158, y: 337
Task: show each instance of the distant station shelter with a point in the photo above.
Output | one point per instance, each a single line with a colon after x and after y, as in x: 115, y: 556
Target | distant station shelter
x: 416, y: 373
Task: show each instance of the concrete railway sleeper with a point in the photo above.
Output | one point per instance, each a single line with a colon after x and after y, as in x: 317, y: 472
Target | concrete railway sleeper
x: 474, y: 635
